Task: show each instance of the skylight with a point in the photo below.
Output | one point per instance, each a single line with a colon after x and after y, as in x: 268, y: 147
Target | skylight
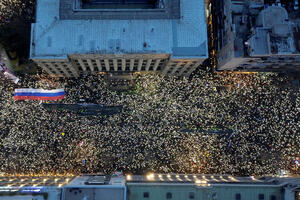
x: 121, y: 4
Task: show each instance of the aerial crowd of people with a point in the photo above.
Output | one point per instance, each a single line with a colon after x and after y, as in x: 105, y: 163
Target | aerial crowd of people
x: 225, y: 123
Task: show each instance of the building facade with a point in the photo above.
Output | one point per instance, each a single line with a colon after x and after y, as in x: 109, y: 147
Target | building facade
x: 149, y: 187
x: 85, y: 187
x: 211, y: 187
x: 71, y: 37
x: 254, y: 36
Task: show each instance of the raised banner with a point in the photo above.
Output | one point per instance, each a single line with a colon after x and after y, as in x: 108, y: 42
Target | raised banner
x: 38, y: 94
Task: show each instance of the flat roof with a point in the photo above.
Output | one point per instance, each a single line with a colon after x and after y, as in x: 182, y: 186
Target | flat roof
x: 97, y: 181
x: 53, y: 38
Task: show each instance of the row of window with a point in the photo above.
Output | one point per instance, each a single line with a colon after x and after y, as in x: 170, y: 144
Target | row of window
x: 191, y: 195
x: 169, y: 195
x: 262, y: 197
x: 275, y: 59
x: 52, y: 65
x: 182, y: 64
x: 111, y: 63
x: 267, y: 66
x: 162, y: 62
x: 179, y: 68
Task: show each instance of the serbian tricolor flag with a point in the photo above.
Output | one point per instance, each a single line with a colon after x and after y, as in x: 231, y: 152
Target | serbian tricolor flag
x: 38, y: 94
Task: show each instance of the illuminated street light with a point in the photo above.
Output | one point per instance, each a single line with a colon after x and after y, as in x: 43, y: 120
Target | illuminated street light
x: 150, y: 176
x: 198, y: 181
x: 128, y: 177
x: 178, y: 178
x: 160, y: 177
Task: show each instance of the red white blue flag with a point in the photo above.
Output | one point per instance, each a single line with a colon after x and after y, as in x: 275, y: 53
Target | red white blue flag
x: 38, y: 94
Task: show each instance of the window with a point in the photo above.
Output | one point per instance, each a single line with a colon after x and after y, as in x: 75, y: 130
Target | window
x: 273, y: 197
x: 169, y: 195
x: 146, y: 195
x: 238, y: 196
x: 261, y: 196
x: 264, y: 58
x: 214, y: 196
x: 191, y: 195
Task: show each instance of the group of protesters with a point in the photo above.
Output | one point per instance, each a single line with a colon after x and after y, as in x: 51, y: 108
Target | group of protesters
x: 225, y: 123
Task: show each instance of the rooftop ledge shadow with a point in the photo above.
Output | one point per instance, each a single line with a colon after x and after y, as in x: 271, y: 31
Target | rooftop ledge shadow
x: 89, y: 32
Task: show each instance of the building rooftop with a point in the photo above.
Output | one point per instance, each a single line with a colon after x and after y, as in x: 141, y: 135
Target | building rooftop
x: 53, y: 38
x: 97, y: 181
x: 261, y: 30
x: 64, y: 187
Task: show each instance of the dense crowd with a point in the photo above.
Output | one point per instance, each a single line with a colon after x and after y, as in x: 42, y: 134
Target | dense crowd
x: 241, y: 124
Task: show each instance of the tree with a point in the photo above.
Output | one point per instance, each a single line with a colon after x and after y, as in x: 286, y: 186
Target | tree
x: 15, y: 19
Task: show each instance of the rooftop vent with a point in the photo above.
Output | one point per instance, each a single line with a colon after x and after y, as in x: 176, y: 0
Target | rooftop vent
x: 96, y: 180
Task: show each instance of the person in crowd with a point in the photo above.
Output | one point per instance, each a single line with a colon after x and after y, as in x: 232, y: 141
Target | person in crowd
x: 226, y: 123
